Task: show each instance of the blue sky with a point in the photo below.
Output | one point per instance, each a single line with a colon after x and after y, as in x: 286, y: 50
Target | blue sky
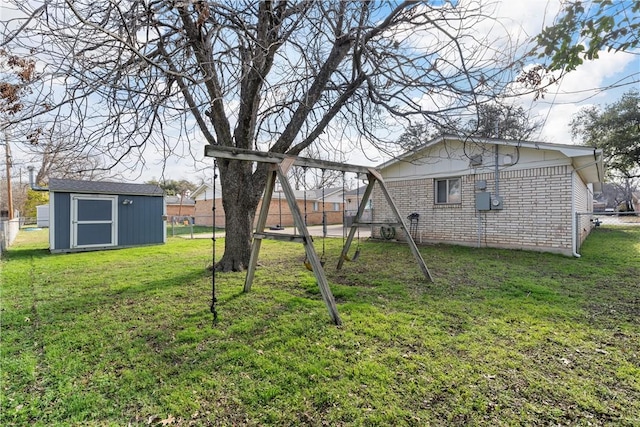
x: 597, y: 82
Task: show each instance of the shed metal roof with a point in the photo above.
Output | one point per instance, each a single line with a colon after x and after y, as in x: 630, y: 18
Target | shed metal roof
x: 103, y: 187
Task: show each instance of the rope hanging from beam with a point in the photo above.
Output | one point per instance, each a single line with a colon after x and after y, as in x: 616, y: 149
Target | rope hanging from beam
x: 212, y: 308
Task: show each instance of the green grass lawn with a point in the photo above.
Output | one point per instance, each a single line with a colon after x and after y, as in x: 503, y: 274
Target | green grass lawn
x: 125, y: 337
x: 181, y: 229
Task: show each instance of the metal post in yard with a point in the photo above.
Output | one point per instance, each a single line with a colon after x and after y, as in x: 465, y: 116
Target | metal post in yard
x: 8, y: 166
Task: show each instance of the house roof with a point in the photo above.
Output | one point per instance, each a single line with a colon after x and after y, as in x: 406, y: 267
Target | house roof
x: 316, y: 193
x: 175, y: 200
x: 205, y: 188
x: 103, y: 187
x: 587, y: 161
x: 356, y: 191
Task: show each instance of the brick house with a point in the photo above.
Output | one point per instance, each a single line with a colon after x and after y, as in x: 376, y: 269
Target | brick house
x: 353, y: 199
x: 494, y: 193
x: 279, y: 213
x: 202, y: 212
x: 180, y: 208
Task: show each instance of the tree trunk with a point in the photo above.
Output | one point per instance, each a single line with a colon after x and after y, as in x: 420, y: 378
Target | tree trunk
x: 241, y: 193
x: 237, y: 244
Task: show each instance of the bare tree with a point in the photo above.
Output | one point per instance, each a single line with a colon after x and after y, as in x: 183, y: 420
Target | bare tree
x: 61, y: 156
x: 503, y: 121
x: 491, y: 120
x: 16, y: 75
x: 307, y: 179
x: 270, y: 75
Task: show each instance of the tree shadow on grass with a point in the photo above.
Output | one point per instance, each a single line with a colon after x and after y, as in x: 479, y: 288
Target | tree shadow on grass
x: 102, y: 295
x: 222, y: 301
x: 25, y: 253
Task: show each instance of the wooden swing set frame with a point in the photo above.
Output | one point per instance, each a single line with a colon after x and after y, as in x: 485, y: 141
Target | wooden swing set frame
x: 279, y: 166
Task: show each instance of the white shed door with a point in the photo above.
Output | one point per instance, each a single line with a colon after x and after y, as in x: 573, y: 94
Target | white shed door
x: 94, y: 221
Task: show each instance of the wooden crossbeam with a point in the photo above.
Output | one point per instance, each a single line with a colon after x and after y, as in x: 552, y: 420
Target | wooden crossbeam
x: 232, y: 153
x: 299, y: 238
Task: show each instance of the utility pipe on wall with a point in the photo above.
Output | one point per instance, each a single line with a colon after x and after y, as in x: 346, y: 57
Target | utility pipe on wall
x: 497, y: 172
x: 32, y: 184
x: 8, y: 165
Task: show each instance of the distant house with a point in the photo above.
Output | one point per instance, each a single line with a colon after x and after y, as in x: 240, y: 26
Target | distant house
x: 353, y: 199
x: 180, y: 206
x: 328, y: 202
x: 203, y: 198
x: 311, y: 203
x: 93, y: 215
x: 42, y: 216
x: 495, y: 193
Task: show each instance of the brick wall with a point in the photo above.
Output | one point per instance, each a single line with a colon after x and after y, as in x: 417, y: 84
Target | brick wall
x: 184, y: 210
x: 203, y: 214
x: 278, y: 212
x: 536, y: 213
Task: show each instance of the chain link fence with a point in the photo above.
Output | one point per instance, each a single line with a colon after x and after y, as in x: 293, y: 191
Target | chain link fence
x: 588, y: 220
x: 9, y: 230
x: 200, y: 226
x: 181, y: 225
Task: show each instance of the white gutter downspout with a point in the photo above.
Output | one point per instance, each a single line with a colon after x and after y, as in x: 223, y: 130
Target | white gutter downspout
x: 497, y: 172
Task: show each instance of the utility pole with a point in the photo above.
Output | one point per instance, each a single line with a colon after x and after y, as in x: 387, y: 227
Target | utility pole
x: 8, y: 163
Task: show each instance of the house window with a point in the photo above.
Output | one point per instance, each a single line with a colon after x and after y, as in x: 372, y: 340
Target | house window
x: 315, y: 207
x: 448, y: 190
x: 336, y: 207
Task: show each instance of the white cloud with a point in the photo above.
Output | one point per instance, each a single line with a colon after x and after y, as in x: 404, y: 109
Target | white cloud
x: 593, y: 83
x: 526, y: 18
x: 521, y: 20
x: 557, y: 118
x: 596, y: 74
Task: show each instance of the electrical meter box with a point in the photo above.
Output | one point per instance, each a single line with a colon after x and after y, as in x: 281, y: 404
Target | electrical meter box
x: 483, y: 201
x: 496, y: 203
x: 481, y: 185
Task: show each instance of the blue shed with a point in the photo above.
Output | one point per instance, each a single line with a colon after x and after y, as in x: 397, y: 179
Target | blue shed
x: 95, y: 215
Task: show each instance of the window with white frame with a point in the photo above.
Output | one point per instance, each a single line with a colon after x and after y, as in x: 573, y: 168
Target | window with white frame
x: 447, y: 191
